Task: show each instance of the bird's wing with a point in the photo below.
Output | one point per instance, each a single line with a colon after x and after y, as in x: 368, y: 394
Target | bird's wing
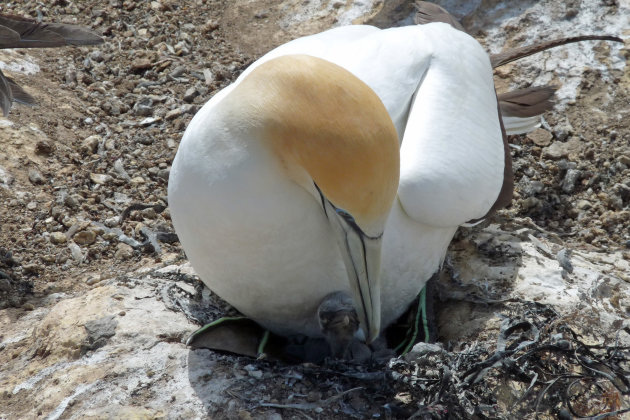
x: 521, y: 108
x: 6, y: 95
x: 454, y: 164
x: 16, y: 32
x: 528, y: 102
x: 8, y: 36
x: 19, y: 94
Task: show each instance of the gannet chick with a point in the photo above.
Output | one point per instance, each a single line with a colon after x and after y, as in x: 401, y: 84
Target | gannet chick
x: 339, y: 322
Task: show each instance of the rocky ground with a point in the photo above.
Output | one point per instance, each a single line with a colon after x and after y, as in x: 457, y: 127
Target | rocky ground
x: 95, y: 298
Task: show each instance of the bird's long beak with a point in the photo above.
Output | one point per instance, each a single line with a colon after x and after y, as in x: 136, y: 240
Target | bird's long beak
x: 362, y: 257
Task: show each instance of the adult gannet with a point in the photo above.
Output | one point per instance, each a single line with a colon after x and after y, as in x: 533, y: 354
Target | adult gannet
x: 437, y: 86
x: 280, y: 191
x: 260, y: 239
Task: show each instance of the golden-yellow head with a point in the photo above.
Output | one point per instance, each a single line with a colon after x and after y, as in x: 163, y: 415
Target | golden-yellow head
x: 319, y: 117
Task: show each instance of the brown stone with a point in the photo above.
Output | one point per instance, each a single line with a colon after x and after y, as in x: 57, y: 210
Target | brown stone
x: 540, y: 137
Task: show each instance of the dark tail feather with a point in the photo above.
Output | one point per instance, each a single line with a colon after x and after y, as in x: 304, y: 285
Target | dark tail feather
x: 431, y: 12
x: 516, y: 53
x: 5, y: 95
x: 19, y: 94
x: 527, y: 102
x: 8, y: 36
x: 16, y: 32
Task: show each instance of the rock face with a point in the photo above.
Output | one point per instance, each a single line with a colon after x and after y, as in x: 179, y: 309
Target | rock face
x: 94, y: 309
x: 74, y: 358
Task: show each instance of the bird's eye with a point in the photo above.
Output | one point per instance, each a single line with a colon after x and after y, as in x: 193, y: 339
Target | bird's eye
x: 347, y: 216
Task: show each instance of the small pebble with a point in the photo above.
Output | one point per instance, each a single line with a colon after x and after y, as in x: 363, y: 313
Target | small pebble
x: 256, y: 374
x: 570, y: 179
x: 90, y: 144
x: 5, y: 285
x: 75, y: 251
x: 58, y: 238
x: 140, y: 65
x: 208, y: 76
x: 190, y: 95
x: 44, y: 148
x: 143, y: 107
x: 540, y: 137
x: 93, y: 279
x: 85, y: 237
x: 123, y: 252
x: 244, y: 415
x: 313, y: 396
x: 112, y: 222
x: 35, y: 177
x: 100, y: 178
x: 557, y: 150
x: 32, y: 269
x: 72, y: 201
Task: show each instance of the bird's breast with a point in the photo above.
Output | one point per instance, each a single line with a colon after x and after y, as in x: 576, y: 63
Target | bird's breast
x: 255, y: 237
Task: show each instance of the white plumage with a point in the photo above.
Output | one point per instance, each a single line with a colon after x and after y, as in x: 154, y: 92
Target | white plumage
x: 263, y: 243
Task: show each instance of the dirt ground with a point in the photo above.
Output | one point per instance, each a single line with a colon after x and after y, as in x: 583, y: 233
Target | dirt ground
x: 109, y: 119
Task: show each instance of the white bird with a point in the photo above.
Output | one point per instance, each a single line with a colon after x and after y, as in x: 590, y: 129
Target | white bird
x: 254, y: 226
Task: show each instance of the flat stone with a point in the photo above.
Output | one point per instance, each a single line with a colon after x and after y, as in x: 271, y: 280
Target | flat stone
x: 583, y: 204
x: 98, y: 332
x: 85, y: 237
x: 190, y: 95
x: 570, y: 179
x: 35, y: 177
x: 90, y: 144
x: 173, y: 113
x: 556, y: 151
x: 100, y: 178
x: 137, y: 180
x: 44, y: 148
x: 58, y: 238
x: 141, y: 64
x: 540, y: 137
x: 123, y: 252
